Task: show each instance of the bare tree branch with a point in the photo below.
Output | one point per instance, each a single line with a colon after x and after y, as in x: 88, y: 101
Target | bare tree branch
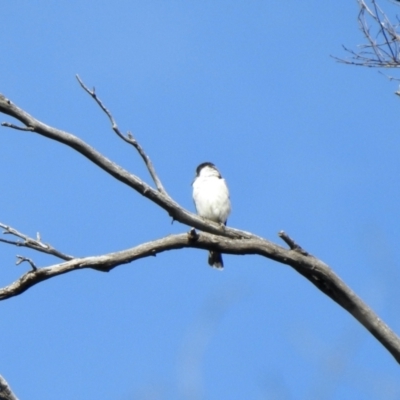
x: 382, y: 47
x: 5, y: 390
x: 317, y: 272
x: 164, y: 201
x: 214, y: 237
x: 31, y: 243
x: 128, y: 138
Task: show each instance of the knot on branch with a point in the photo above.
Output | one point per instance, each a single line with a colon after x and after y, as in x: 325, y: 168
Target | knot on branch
x: 193, y: 235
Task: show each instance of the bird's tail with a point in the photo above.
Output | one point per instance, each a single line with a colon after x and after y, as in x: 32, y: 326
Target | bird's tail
x: 215, y: 260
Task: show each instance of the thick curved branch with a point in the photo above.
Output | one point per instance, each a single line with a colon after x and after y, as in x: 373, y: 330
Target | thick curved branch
x: 317, y: 272
x: 164, y: 201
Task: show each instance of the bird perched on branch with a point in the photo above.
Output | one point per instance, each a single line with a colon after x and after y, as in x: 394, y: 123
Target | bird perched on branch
x: 211, y: 198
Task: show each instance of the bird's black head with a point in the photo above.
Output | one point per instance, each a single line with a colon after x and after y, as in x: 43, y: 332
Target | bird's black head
x: 202, y: 165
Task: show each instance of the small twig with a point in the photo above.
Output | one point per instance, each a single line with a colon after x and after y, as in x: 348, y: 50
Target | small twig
x: 31, y: 243
x: 21, y: 259
x: 291, y: 243
x: 11, y: 231
x: 19, y: 128
x: 128, y: 138
x: 389, y: 77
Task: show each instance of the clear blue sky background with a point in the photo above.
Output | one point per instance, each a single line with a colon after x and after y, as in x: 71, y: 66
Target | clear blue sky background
x: 307, y: 145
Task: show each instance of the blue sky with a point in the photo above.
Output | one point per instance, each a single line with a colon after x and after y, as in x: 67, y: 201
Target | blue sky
x: 306, y: 145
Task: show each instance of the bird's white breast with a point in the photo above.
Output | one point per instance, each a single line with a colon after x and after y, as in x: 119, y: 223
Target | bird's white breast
x: 211, y: 197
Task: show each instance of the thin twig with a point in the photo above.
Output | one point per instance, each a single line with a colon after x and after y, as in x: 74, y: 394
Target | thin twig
x: 389, y: 77
x: 35, y: 244
x: 22, y: 259
x: 378, y: 11
x: 291, y: 243
x: 18, y: 128
x: 128, y: 138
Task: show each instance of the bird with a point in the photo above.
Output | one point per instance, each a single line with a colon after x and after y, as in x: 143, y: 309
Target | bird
x: 211, y: 198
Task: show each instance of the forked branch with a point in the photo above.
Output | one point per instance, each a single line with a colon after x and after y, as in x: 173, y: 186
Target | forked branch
x: 128, y: 138
x: 30, y: 243
x: 382, y: 39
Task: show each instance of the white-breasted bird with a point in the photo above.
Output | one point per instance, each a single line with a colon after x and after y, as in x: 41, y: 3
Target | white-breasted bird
x: 211, y: 198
